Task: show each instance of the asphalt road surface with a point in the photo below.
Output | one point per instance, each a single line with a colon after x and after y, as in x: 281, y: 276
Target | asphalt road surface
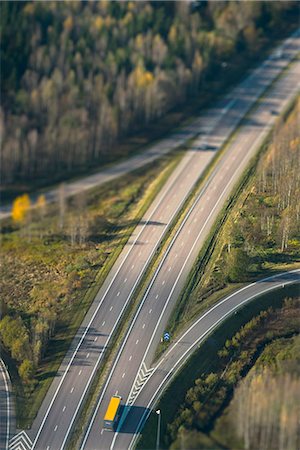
x: 185, y: 345
x: 59, y: 410
x: 155, y: 151
x: 132, y: 367
x: 7, y: 417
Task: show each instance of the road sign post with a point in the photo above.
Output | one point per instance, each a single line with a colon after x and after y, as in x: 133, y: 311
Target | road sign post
x: 166, y: 336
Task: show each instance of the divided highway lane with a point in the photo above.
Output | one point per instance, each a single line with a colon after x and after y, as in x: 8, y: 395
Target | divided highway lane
x: 187, y: 343
x: 59, y: 410
x: 70, y: 386
x: 175, y: 139
x: 7, y: 418
x: 133, y: 364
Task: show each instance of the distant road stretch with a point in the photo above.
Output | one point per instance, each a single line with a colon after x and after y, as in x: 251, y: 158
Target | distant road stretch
x: 163, y: 146
x: 133, y: 365
x: 59, y: 411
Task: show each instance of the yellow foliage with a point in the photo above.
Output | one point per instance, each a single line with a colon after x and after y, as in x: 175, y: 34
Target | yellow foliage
x: 127, y: 19
x: 41, y: 201
x: 130, y: 6
x: 198, y: 62
x: 68, y: 23
x: 142, y: 77
x: 21, y: 206
x: 29, y: 8
x: 109, y: 21
x: 98, y: 22
x: 294, y: 143
x: 139, y: 41
x: 172, y: 36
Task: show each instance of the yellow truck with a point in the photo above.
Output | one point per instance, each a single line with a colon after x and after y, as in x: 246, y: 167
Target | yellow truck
x: 112, y: 413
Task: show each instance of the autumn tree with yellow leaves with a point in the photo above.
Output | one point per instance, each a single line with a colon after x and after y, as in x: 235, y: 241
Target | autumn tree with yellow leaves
x: 80, y: 76
x: 20, y: 208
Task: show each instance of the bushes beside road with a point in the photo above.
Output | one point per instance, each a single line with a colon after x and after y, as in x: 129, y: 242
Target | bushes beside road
x: 53, y: 264
x: 206, y: 400
x: 260, y: 233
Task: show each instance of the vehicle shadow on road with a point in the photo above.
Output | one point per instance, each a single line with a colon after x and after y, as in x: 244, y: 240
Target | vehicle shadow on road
x: 130, y: 417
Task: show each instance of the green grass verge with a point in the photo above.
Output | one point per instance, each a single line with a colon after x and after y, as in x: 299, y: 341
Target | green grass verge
x: 70, y: 319
x: 204, y: 361
x: 212, y: 249
x: 205, y: 255
x: 137, y: 297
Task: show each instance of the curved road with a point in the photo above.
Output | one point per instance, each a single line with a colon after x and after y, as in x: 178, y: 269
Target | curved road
x: 185, y: 345
x: 59, y: 410
x: 132, y: 367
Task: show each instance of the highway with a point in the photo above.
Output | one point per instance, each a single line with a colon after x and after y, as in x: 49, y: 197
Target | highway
x: 7, y: 417
x: 178, y: 353
x: 59, y: 410
x: 133, y: 363
x: 155, y: 151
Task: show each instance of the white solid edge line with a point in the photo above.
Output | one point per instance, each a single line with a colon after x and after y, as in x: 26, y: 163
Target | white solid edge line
x: 39, y: 431
x: 97, y: 309
x: 224, y: 193
x: 124, y: 306
x: 177, y: 365
x: 95, y: 412
x: 118, y: 356
x: 253, y: 147
x: 6, y: 378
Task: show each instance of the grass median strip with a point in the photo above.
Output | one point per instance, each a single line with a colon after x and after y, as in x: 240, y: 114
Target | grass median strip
x: 137, y: 297
x: 239, y: 248
x: 61, y: 270
x: 206, y: 360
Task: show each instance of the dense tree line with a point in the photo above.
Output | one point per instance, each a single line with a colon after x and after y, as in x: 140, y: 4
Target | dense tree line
x: 265, y: 408
x: 262, y: 230
x: 79, y: 76
x: 269, y: 222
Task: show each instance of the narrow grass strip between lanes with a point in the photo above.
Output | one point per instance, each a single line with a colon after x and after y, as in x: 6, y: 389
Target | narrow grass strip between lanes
x: 198, y: 344
x: 155, y: 262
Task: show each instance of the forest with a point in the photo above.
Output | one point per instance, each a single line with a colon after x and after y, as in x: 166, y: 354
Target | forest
x: 78, y: 77
x: 258, y: 377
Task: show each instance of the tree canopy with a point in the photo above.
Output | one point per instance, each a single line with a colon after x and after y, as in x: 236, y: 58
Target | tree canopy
x: 79, y: 76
